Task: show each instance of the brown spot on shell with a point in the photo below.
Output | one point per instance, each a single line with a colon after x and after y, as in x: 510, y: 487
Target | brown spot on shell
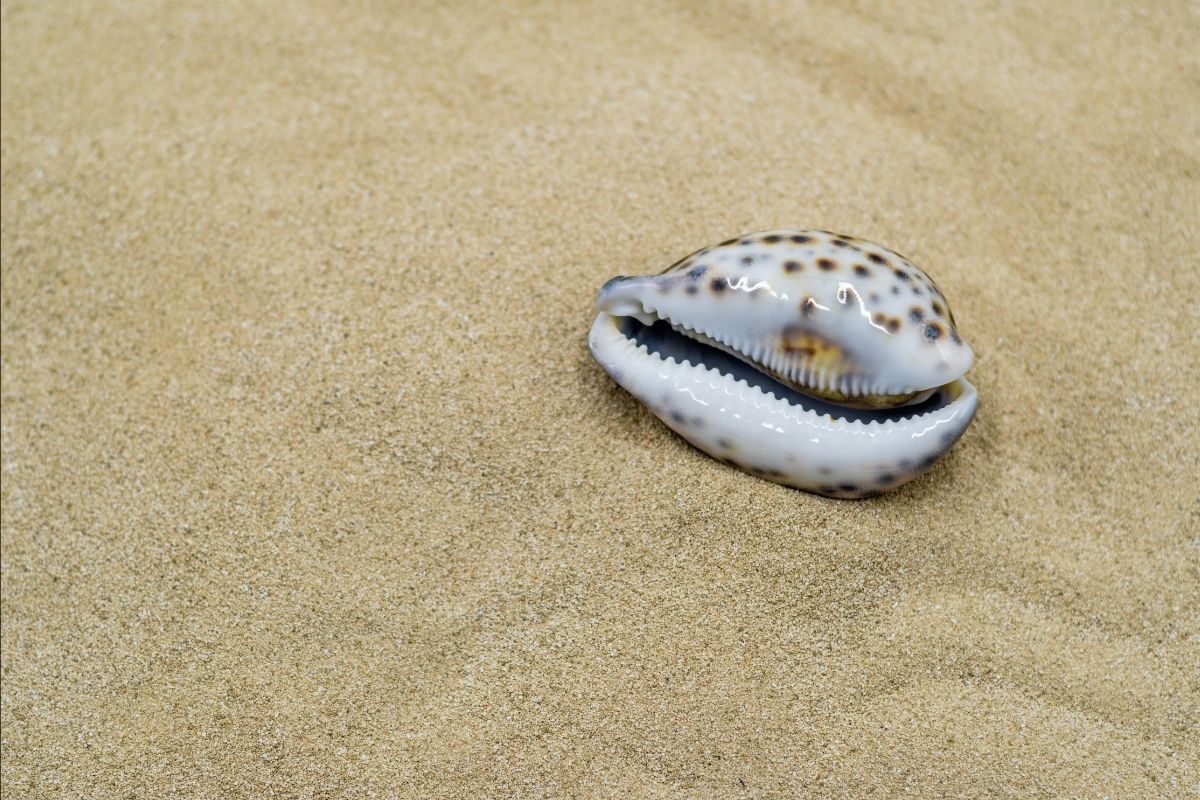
x: 772, y: 239
x: 718, y: 284
x: 892, y: 325
x: 798, y: 341
x: 826, y: 264
x: 792, y: 266
x: 939, y: 309
x: 933, y: 331
x: 901, y: 275
x: 861, y: 271
x: 876, y: 258
x: 799, y: 238
x: 916, y: 314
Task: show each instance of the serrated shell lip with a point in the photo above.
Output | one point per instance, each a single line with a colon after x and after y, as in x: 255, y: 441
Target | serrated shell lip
x: 804, y: 378
x: 959, y: 392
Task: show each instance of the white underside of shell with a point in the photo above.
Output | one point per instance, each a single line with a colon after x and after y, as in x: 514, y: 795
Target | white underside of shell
x: 773, y: 438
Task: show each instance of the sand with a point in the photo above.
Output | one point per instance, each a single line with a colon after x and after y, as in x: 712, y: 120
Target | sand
x: 311, y: 489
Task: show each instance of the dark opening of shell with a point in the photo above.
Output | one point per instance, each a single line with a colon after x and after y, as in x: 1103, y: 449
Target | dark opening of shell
x: 660, y: 338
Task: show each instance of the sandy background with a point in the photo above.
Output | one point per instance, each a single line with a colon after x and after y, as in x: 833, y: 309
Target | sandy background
x: 311, y: 489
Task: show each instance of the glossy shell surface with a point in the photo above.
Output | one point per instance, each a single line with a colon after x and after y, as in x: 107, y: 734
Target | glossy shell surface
x: 813, y: 359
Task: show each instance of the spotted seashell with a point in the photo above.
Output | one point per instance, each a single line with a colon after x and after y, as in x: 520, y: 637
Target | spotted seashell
x: 812, y: 359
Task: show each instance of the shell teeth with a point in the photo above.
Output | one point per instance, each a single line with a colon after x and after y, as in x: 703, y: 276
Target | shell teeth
x: 783, y: 404
x: 760, y: 353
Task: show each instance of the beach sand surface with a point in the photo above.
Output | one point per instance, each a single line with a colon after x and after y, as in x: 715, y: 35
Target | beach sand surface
x: 311, y: 488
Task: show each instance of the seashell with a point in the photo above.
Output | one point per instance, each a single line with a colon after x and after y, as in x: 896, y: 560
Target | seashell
x: 812, y: 359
